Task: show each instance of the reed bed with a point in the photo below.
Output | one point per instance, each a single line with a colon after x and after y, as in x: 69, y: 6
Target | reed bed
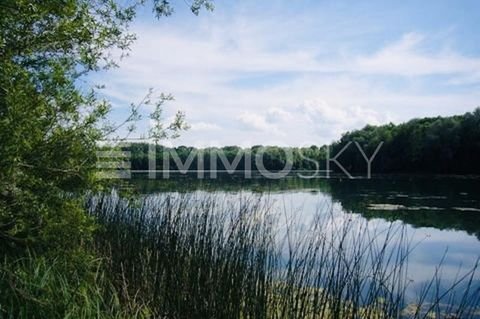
x: 211, y: 256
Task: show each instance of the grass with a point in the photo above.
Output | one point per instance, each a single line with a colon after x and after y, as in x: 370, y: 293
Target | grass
x: 188, y: 256
x: 39, y: 287
x: 183, y: 256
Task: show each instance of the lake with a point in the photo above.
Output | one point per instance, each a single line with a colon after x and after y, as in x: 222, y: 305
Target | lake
x: 441, y: 214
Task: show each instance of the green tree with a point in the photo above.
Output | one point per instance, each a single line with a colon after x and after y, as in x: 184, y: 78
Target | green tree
x: 49, y: 124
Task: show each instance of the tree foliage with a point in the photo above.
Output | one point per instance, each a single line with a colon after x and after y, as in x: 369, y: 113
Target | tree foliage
x: 48, y: 126
x: 50, y: 119
x: 441, y: 145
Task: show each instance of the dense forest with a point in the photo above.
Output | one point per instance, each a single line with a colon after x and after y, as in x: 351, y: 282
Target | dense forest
x: 232, y: 158
x: 447, y: 145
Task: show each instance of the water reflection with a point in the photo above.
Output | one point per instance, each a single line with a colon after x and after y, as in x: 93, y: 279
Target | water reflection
x: 445, y: 203
x: 441, y: 214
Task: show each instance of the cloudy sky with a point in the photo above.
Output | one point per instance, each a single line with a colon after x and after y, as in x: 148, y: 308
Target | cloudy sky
x: 302, y: 72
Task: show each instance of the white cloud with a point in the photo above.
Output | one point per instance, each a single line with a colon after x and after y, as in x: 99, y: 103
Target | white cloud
x: 313, y: 119
x: 405, y: 58
x: 277, y: 114
x: 256, y: 121
x: 322, y: 96
x: 204, y: 126
x: 333, y: 120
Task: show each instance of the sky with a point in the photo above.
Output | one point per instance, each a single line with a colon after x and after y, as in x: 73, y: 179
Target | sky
x: 297, y: 73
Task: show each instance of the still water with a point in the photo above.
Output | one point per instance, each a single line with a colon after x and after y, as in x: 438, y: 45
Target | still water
x: 441, y: 214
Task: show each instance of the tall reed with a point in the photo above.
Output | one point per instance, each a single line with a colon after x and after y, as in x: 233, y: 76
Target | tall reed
x: 198, y: 256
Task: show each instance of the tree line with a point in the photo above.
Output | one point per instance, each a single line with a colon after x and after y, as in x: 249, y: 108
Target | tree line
x: 442, y: 145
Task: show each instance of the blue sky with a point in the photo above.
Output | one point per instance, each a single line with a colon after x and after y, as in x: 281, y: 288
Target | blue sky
x: 302, y: 72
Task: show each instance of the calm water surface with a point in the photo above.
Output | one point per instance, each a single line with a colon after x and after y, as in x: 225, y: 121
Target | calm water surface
x: 441, y: 214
